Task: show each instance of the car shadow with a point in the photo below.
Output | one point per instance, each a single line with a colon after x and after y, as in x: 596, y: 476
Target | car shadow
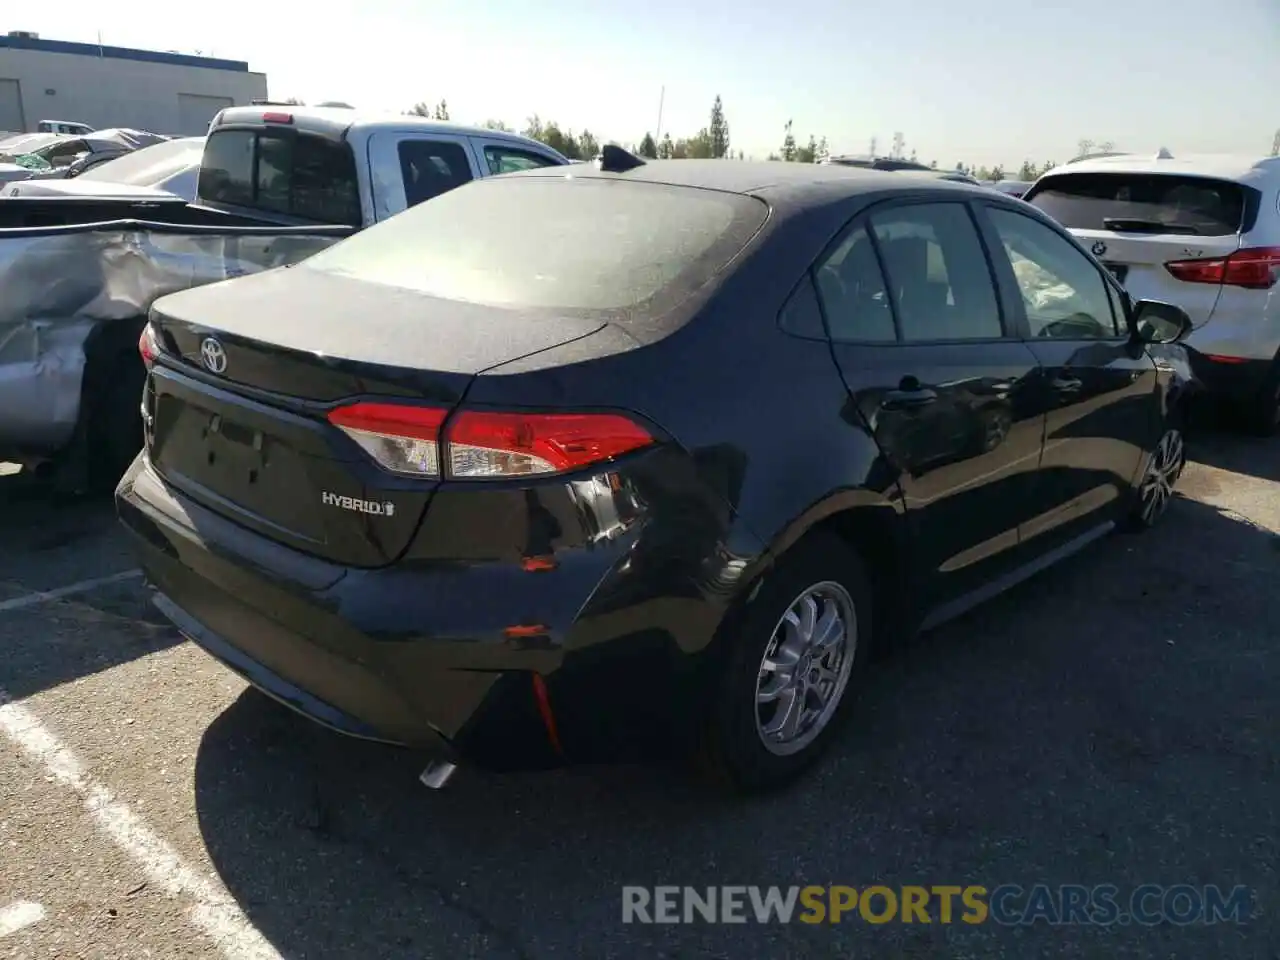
x: 1111, y: 721
x: 52, y: 542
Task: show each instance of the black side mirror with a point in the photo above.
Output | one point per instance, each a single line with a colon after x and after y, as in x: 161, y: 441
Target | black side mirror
x: 1154, y: 321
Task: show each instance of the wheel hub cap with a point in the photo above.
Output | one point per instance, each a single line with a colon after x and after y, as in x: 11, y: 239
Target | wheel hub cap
x: 805, y: 668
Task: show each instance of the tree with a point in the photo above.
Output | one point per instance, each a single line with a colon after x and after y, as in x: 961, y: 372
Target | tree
x: 667, y: 149
x: 442, y: 111
x: 533, y: 128
x: 497, y: 125
x: 294, y: 102
x: 588, y: 146
x: 995, y: 173
x: 700, y: 146
x: 913, y: 157
x: 648, y: 148
x: 419, y: 109
x: 1275, y: 145
x: 1029, y: 171
x: 933, y: 164
x: 789, y: 145
x: 718, y: 131
x: 899, y: 146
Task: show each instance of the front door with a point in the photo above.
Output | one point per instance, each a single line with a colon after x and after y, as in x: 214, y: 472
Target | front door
x: 1102, y: 410
x: 918, y: 333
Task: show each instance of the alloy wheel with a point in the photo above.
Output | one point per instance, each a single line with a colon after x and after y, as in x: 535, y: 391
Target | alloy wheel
x: 805, y: 668
x: 1163, y: 471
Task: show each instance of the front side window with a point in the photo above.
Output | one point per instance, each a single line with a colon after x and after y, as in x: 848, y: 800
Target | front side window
x: 510, y: 160
x: 1063, y: 291
x: 431, y: 167
x: 937, y: 272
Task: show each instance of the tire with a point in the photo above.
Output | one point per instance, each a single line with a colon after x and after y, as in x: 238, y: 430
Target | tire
x: 115, y: 426
x: 1160, y: 475
x: 734, y: 748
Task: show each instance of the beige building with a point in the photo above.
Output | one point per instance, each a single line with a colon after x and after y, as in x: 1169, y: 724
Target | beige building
x: 105, y: 86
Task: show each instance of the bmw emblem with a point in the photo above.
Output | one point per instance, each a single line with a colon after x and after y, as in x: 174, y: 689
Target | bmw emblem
x: 213, y: 355
x: 1099, y: 248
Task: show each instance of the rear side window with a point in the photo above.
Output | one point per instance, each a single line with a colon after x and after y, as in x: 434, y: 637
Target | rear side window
x: 295, y: 174
x: 1143, y: 202
x: 938, y: 273
x: 554, y: 243
x: 431, y: 167
x: 853, y: 293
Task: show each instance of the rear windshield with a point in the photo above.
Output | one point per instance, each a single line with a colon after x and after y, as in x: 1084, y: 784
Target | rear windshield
x: 1199, y: 206
x: 563, y: 243
x: 295, y: 174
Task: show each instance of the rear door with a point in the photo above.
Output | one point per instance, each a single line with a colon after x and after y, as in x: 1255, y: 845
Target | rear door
x: 925, y: 350
x: 408, y: 168
x: 1137, y: 223
x: 1102, y: 410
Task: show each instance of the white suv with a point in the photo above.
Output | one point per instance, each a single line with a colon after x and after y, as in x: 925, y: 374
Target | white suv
x: 1202, y: 232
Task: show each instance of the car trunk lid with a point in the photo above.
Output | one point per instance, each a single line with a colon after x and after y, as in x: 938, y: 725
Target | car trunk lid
x: 237, y: 405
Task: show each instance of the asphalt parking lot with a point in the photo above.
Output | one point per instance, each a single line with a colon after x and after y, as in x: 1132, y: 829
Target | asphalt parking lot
x: 1113, y: 721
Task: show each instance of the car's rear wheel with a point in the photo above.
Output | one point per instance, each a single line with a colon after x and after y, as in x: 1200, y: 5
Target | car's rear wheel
x: 1164, y: 468
x: 801, y: 642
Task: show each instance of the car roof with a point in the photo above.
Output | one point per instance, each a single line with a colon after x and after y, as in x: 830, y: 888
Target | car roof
x: 1242, y: 168
x: 779, y: 182
x: 339, y: 120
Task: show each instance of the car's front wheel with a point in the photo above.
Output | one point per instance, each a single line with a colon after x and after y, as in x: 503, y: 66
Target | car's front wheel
x: 1164, y: 467
x: 802, y: 640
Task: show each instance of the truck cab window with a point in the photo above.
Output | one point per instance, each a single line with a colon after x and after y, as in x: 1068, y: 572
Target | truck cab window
x: 431, y: 167
x: 295, y: 174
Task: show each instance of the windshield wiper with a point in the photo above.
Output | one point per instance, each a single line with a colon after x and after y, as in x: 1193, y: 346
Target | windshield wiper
x: 1138, y: 225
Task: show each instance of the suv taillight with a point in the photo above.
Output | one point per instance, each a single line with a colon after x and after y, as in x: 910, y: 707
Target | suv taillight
x: 485, y: 444
x: 1254, y: 268
x: 148, y: 346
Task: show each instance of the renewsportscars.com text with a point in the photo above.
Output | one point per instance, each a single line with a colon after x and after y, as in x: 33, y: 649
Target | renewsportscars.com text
x: 1008, y: 904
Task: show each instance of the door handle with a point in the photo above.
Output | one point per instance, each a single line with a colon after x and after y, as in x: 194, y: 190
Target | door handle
x: 906, y: 399
x: 1066, y: 384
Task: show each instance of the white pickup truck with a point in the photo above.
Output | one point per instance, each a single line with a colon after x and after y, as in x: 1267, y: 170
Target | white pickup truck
x: 277, y: 183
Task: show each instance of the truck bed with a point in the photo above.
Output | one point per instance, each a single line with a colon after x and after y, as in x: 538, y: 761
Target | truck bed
x: 65, y: 211
x: 68, y: 291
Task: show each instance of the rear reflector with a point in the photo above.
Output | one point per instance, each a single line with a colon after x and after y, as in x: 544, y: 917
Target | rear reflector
x: 482, y: 444
x: 1255, y: 268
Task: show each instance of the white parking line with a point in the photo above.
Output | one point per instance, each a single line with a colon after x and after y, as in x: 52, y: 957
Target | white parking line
x: 213, y: 912
x: 43, y: 596
x: 19, y: 915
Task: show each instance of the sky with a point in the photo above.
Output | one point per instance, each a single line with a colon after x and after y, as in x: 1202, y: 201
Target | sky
x: 961, y: 84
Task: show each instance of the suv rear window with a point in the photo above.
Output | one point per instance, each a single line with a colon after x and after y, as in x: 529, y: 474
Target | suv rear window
x: 286, y: 172
x: 564, y: 243
x: 1152, y: 202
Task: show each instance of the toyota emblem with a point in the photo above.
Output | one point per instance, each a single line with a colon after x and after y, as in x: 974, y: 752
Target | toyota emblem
x: 1099, y: 248
x: 213, y: 355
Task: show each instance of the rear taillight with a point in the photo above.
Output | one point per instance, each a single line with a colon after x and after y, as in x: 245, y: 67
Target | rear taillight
x: 148, y: 346
x: 1255, y: 268
x: 403, y: 439
x: 482, y: 444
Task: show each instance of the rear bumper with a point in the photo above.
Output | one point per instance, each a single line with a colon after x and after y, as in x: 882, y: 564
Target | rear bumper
x: 1230, y: 377
x: 408, y: 654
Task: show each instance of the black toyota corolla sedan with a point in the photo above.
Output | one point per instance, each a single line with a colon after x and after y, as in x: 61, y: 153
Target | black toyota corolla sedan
x: 578, y: 465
